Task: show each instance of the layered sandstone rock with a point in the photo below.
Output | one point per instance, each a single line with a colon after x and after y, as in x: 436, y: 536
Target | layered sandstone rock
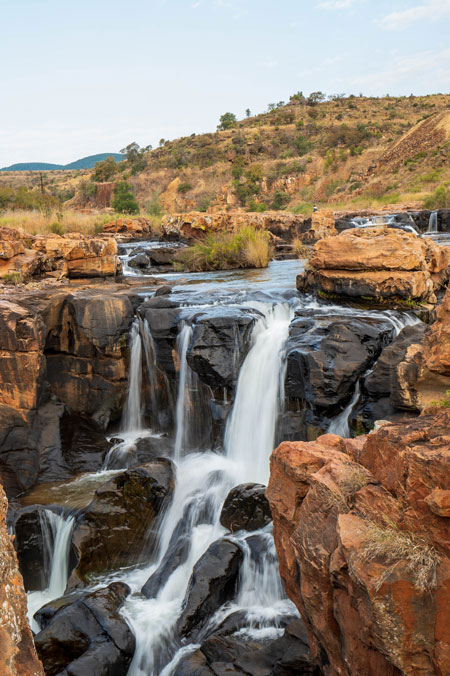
x: 363, y: 538
x: 62, y: 354
x: 193, y: 225
x: 81, y: 256
x: 129, y: 227
x: 17, y: 654
x: 377, y: 263
x: 23, y: 256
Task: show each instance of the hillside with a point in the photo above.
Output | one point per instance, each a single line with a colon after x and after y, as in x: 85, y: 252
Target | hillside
x: 350, y: 152
x: 84, y: 163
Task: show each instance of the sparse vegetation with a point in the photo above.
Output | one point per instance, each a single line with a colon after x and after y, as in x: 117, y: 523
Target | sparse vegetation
x: 442, y: 403
x: 247, y: 248
x: 440, y: 199
x: 392, y: 545
x: 14, y: 277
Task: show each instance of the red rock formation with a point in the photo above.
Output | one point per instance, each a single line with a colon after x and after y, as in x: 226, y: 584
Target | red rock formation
x: 363, y: 540
x: 17, y: 654
x: 377, y: 262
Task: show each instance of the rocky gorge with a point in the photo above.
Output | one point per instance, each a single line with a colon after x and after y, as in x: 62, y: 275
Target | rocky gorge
x: 137, y: 424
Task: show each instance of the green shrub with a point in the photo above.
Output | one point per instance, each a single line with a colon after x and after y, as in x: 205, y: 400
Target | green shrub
x: 258, y: 207
x: 303, y: 145
x: 280, y: 200
x: 56, y: 228
x: 124, y: 202
x: 440, y: 199
x: 184, y: 187
x: 14, y: 277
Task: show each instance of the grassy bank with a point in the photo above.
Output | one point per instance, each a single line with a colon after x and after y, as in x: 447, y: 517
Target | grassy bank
x: 246, y: 248
x: 41, y: 223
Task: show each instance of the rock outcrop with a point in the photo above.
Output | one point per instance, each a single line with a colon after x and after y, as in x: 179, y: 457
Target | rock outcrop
x: 193, y: 225
x: 362, y: 535
x: 118, y: 526
x: 86, y: 635
x: 17, y: 653
x: 63, y: 353
x: 378, y: 263
x: 74, y: 256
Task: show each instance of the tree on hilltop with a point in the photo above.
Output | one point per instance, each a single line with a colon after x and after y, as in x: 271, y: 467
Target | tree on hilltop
x: 124, y: 202
x: 226, y: 121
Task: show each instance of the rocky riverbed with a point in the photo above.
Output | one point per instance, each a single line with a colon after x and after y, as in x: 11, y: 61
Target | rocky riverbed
x: 136, y: 430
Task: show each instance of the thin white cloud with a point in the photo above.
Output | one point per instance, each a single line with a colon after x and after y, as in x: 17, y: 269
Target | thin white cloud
x: 336, y: 4
x: 415, y: 66
x: 430, y: 10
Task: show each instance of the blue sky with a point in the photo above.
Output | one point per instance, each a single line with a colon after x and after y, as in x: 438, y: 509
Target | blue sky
x: 93, y: 75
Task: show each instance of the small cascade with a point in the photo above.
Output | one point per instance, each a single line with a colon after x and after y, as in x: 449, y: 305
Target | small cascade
x: 184, y: 380
x: 132, y: 412
x: 56, y: 533
x: 250, y: 431
x: 158, y: 383
x: 432, y: 222
x: 341, y: 424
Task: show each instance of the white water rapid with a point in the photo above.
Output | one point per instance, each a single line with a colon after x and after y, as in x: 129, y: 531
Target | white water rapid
x: 56, y: 534
x: 203, y: 481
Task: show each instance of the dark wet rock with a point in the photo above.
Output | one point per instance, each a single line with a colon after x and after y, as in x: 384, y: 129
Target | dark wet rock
x: 388, y: 378
x: 162, y: 255
x: 163, y: 290
x: 246, y: 508
x: 177, y: 554
x: 194, y: 664
x: 162, y: 313
x: 88, y: 636
x: 46, y: 613
x: 30, y: 547
x: 219, y: 344
x: 83, y: 444
x: 140, y: 260
x: 213, y: 582
x: 287, y: 655
x: 140, y: 452
x: 327, y: 355
x: 119, y: 526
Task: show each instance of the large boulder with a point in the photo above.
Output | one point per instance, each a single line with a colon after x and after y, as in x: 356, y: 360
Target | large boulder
x: 213, y: 582
x: 17, y: 652
x: 88, y: 636
x: 246, y: 508
x: 378, y: 262
x: 363, y: 551
x: 81, y: 257
x: 219, y: 343
x: 118, y: 526
x: 327, y: 355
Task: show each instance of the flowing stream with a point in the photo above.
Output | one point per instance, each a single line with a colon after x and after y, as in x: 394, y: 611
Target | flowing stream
x: 56, y: 535
x: 203, y: 479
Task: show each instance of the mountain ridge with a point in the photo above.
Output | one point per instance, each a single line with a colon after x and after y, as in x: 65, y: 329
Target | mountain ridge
x: 87, y: 162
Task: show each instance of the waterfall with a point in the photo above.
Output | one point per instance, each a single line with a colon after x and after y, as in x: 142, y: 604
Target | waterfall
x: 184, y: 382
x: 56, y: 534
x: 432, y: 222
x: 341, y: 424
x: 202, y: 483
x: 132, y: 412
x: 250, y: 432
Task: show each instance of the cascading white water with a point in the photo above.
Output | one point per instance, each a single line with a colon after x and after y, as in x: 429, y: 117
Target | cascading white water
x: 203, y: 481
x: 181, y: 431
x: 250, y: 432
x: 132, y: 412
x: 432, y: 222
x: 341, y: 424
x: 56, y: 534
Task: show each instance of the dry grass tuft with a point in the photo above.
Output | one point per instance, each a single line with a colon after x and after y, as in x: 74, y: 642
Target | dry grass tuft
x: 393, y: 546
x: 300, y: 250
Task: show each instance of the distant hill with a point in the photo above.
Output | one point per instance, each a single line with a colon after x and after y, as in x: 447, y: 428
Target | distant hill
x: 85, y: 163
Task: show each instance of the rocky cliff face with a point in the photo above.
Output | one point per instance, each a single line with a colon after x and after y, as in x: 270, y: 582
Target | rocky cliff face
x: 362, y: 533
x: 63, y: 354
x: 17, y: 654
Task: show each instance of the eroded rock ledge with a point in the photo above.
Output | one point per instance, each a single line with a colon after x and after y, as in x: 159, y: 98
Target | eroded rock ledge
x: 363, y: 537
x: 17, y: 654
